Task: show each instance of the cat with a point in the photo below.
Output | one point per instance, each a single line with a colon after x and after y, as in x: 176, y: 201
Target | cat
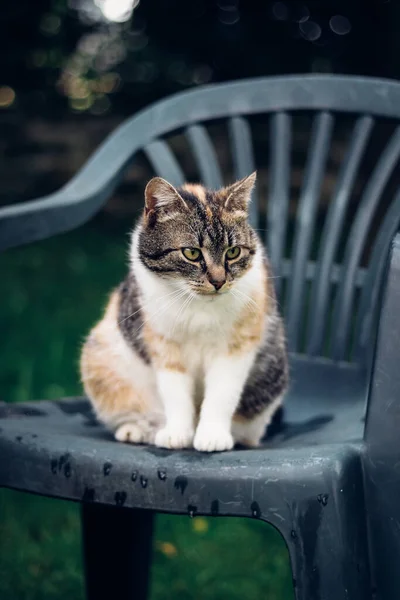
x: 191, y: 349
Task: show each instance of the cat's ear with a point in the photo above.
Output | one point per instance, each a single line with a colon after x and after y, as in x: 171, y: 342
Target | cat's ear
x: 162, y: 200
x: 238, y: 195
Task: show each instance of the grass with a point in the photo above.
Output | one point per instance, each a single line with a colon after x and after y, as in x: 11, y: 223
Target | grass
x: 52, y: 292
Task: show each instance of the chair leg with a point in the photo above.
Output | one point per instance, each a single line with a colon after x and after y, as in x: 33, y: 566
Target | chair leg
x: 117, y: 545
x: 327, y: 541
x: 327, y: 563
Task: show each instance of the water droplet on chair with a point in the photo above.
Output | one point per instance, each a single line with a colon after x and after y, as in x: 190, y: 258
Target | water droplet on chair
x: 181, y: 483
x: 255, y: 510
x: 120, y: 498
x: 323, y: 499
x: 107, y: 468
x: 162, y: 474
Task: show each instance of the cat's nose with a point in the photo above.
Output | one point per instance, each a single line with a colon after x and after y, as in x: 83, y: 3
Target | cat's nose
x: 217, y: 283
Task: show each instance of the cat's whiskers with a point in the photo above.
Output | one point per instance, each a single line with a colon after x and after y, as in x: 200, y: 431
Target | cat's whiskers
x: 157, y: 300
x: 246, y: 297
x: 181, y: 311
x: 271, y: 298
x: 247, y: 303
x: 162, y: 310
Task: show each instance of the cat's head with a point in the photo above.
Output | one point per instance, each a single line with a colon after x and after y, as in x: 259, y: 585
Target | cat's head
x: 200, y: 238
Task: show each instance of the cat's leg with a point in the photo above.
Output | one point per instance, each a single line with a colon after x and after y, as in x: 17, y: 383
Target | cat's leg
x: 125, y: 410
x: 121, y: 388
x: 249, y: 430
x: 224, y: 382
x: 262, y: 395
x: 176, y: 389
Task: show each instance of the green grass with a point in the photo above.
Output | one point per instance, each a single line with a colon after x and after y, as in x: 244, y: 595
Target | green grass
x: 52, y: 292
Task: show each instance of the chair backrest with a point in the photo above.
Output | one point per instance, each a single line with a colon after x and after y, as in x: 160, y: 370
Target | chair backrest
x: 327, y: 287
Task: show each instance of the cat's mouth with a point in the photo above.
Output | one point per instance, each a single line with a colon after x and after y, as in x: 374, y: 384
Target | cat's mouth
x: 212, y: 293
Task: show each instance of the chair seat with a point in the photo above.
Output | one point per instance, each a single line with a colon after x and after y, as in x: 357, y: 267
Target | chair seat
x: 58, y: 448
x: 325, y: 404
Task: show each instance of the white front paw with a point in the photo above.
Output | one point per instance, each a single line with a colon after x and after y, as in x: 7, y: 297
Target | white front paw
x: 174, y: 437
x: 213, y: 438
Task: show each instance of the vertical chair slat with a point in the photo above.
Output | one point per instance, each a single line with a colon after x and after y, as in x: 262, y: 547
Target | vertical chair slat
x: 205, y: 156
x: 164, y: 162
x: 314, y: 173
x: 371, y: 289
x: 243, y: 158
x: 279, y: 191
x: 331, y: 234
x: 343, y: 307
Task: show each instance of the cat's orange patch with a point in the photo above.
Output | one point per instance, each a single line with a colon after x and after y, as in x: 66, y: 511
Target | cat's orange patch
x: 197, y: 190
x: 101, y: 372
x: 112, y: 394
x: 164, y: 353
x: 233, y: 217
x: 200, y: 192
x: 238, y: 418
x: 248, y: 330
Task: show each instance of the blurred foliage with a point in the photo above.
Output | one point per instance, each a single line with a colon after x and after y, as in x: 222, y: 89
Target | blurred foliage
x: 198, y: 559
x: 83, y: 65
x: 98, y: 56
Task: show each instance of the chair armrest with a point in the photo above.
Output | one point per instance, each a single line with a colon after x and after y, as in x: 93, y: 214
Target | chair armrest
x: 382, y: 431
x: 88, y: 190
x: 83, y: 195
x: 64, y: 210
x: 42, y: 218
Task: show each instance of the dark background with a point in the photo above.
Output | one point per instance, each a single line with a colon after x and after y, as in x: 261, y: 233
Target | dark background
x: 70, y: 74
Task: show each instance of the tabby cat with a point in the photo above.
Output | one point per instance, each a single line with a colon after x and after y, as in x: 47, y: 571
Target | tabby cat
x: 190, y: 351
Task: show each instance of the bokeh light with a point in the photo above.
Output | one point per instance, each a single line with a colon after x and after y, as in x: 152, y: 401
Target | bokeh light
x: 229, y: 17
x: 310, y: 30
x: 7, y: 96
x: 50, y: 24
x: 300, y: 12
x: 117, y: 11
x: 340, y: 25
x: 280, y: 11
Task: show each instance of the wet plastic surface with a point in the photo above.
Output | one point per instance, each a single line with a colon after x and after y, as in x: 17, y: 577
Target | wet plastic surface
x: 293, y: 481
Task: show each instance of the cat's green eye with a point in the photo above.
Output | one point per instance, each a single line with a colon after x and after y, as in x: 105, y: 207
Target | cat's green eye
x: 192, y: 254
x: 233, y: 253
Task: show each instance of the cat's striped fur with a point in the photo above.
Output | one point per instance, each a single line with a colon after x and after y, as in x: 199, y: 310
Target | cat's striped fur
x: 190, y: 352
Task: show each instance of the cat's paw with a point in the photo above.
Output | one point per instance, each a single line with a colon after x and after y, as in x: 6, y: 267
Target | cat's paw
x: 213, y: 438
x: 130, y: 433
x: 174, y: 438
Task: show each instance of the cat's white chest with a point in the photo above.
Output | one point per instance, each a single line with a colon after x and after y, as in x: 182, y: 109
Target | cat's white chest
x: 203, y: 322
x: 201, y: 329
